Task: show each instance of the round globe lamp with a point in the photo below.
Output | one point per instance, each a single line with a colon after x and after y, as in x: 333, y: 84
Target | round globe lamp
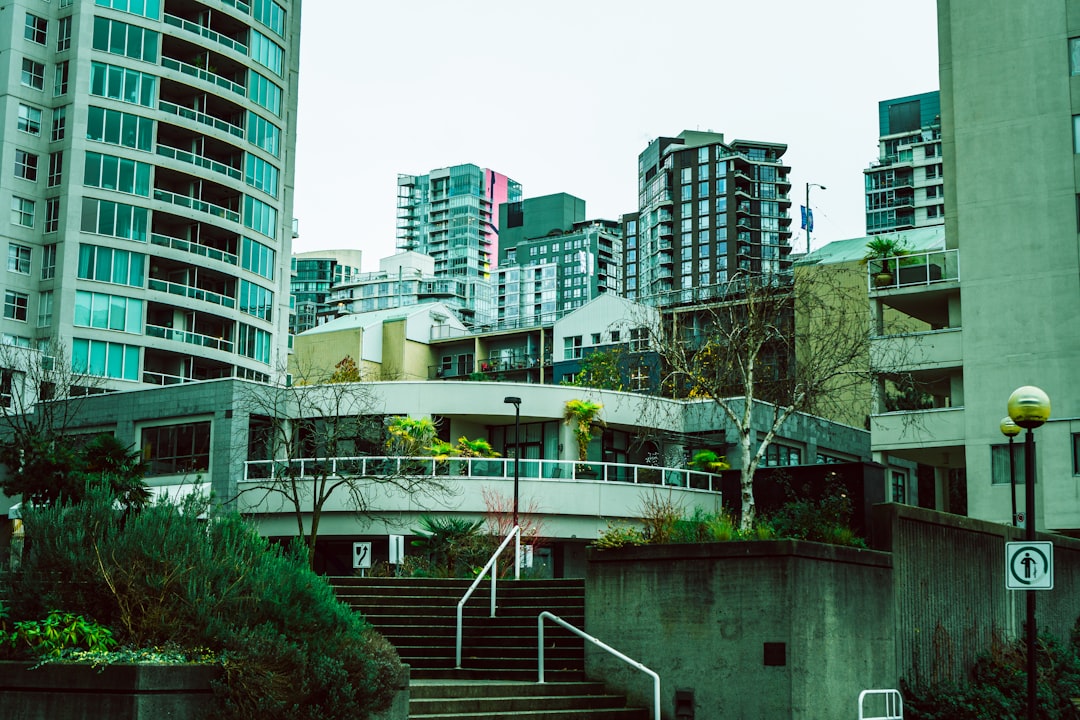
x: 1029, y: 407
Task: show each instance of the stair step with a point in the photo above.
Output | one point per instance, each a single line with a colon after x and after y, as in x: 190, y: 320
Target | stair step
x: 621, y: 713
x: 426, y: 689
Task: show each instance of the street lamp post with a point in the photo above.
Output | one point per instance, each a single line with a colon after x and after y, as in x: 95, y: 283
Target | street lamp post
x: 1010, y: 430
x: 1029, y: 407
x: 810, y: 214
x: 516, y: 402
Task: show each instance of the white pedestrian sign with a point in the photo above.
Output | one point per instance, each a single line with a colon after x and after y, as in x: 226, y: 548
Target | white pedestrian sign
x: 1029, y: 565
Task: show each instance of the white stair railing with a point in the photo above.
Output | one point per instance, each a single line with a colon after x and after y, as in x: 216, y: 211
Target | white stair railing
x: 581, y: 633
x: 492, y: 567
x: 894, y: 705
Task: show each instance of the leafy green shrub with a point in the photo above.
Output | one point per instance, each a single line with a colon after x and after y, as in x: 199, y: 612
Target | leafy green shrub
x: 616, y: 536
x: 825, y: 518
x: 998, y: 685
x: 288, y: 648
x: 61, y: 631
x: 452, y: 547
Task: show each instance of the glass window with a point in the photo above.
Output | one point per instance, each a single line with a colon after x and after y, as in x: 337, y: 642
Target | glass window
x: 63, y: 36
x: 253, y: 343
x: 266, y: 52
x: 56, y: 168
x: 257, y: 258
x: 1076, y: 453
x: 22, y: 211
x: 263, y: 134
x: 59, y: 123
x: 115, y: 173
x: 270, y: 14
x: 60, y: 78
x: 110, y: 265
x: 33, y: 74
x: 36, y: 29
x: 45, y: 309
x: 260, y: 217
x: 115, y: 219
x: 262, y: 175
x: 119, y: 38
x: 105, y: 359
x: 52, y: 220
x: 26, y: 165
x: 15, y: 305
x: 256, y: 300
x: 264, y: 92
x: 29, y: 119
x: 118, y: 83
x: 48, y: 262
x: 119, y: 128
x: 177, y: 449
x: 899, y: 486
x: 143, y: 8
x: 108, y: 312
x: 18, y: 259
x: 1000, y: 472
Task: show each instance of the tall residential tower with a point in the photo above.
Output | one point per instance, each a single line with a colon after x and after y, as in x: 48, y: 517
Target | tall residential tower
x: 706, y: 209
x: 904, y: 186
x: 148, y: 164
x: 452, y: 214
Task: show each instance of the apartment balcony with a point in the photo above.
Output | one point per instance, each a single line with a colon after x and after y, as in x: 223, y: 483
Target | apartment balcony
x: 195, y: 204
x: 204, y: 75
x: 917, y: 429
x: 198, y: 161
x: 188, y: 291
x: 910, y: 352
x: 202, y: 118
x: 193, y: 247
x: 917, y: 270
x: 191, y: 338
x: 212, y: 35
x: 481, y: 469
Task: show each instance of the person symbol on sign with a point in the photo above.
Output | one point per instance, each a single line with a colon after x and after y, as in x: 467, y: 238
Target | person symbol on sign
x: 1029, y: 566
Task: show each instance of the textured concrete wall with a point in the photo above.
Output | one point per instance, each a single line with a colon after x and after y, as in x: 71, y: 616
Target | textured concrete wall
x: 951, y: 602
x: 702, y: 615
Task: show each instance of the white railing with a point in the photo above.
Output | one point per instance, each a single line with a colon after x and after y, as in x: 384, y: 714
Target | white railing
x: 584, y: 635
x: 492, y: 566
x: 463, y: 468
x: 894, y: 705
x: 924, y: 268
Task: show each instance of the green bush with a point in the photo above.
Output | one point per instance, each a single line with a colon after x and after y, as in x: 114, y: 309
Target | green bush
x: 998, y: 685
x: 288, y: 649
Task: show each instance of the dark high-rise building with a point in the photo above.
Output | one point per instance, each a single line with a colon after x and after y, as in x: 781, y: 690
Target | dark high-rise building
x: 707, y: 210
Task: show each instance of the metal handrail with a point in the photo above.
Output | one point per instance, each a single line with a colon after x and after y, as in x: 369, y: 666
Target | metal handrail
x: 894, y: 705
x: 493, y: 566
x: 584, y: 635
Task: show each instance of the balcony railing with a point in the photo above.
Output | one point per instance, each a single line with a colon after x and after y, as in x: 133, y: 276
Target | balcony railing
x: 239, y: 5
x: 198, y: 160
x: 206, y: 33
x: 926, y: 268
x: 190, y: 338
x: 481, y: 468
x: 206, y: 75
x: 191, y: 292
x: 196, y: 204
x: 193, y: 247
x: 200, y: 117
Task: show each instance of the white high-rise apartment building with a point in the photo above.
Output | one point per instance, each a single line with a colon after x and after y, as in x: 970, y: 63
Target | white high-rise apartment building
x: 148, y: 165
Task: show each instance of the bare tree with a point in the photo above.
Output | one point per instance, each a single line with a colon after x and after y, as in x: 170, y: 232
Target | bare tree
x: 41, y: 395
x: 764, y: 347
x: 316, y: 431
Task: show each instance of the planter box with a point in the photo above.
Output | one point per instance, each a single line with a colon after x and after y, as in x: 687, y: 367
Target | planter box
x: 119, y: 692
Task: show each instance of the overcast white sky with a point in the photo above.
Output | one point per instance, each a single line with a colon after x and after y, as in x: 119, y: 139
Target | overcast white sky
x: 562, y: 95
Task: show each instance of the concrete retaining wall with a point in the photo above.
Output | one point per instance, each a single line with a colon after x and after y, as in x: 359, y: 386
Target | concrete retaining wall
x: 779, y: 629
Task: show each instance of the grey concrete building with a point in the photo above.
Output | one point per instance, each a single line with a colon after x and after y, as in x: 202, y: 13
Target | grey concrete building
x: 1002, y: 304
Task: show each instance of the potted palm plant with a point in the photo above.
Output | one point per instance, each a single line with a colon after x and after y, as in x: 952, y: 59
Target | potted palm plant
x: 584, y: 417
x: 881, y: 249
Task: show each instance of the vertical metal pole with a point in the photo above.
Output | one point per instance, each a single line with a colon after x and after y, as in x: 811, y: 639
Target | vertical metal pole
x: 808, y: 216
x: 1029, y: 498
x: 517, y: 456
x: 1012, y: 479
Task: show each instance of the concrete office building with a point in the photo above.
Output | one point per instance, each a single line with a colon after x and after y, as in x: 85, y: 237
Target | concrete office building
x: 904, y: 186
x: 452, y: 214
x: 148, y: 165
x: 1003, y: 305
x: 706, y: 209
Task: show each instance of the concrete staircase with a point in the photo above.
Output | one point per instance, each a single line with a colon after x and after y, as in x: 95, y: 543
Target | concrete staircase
x: 498, y: 675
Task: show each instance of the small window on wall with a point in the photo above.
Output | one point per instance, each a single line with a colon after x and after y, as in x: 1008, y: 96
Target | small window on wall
x: 1000, y: 472
x: 899, y: 486
x: 1076, y: 453
x: 177, y: 449
x: 1074, y: 56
